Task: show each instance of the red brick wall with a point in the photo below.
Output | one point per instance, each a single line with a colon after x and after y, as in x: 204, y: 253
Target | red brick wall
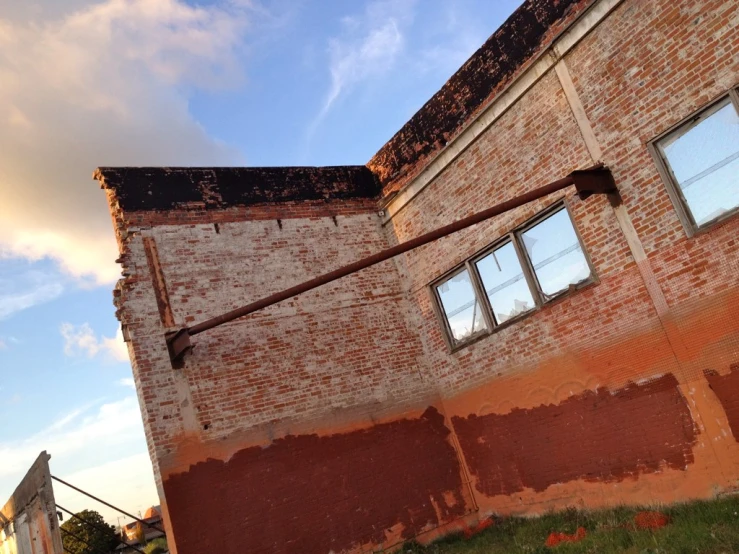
x: 634, y: 84
x: 645, y: 67
x: 348, y: 396
x: 341, y: 366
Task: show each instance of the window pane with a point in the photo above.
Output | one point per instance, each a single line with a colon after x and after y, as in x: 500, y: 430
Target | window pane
x: 505, y: 284
x: 555, y: 253
x: 705, y: 162
x: 460, y: 306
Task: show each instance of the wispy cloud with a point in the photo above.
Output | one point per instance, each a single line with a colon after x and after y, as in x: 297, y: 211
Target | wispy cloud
x: 102, y: 83
x: 109, y: 425
x: 126, y: 382
x: 98, y: 447
x: 452, y: 43
x: 80, y: 340
x: 366, y: 48
x: 26, y: 289
x: 6, y: 343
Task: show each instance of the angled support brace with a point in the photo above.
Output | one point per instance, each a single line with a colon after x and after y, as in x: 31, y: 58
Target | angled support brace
x: 594, y: 180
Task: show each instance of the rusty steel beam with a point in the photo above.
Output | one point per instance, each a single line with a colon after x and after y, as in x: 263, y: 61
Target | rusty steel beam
x: 593, y: 180
x: 117, y: 509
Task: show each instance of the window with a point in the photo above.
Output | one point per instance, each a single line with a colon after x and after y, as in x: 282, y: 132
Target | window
x: 555, y: 253
x: 699, y: 161
x: 462, y: 311
x: 505, y: 283
x: 527, y: 268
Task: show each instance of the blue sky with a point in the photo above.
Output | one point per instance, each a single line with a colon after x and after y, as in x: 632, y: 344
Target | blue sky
x: 85, y: 83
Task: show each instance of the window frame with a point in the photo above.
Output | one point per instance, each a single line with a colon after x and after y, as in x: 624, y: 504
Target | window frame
x: 682, y: 208
x: 546, y: 213
x: 540, y: 298
x: 452, y: 343
x: 502, y: 241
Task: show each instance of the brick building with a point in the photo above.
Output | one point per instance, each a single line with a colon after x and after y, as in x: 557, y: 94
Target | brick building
x: 569, y: 352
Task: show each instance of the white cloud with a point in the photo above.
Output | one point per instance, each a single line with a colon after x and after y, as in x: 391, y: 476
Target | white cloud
x: 103, y: 85
x: 368, y: 46
x: 126, y: 382
x: 111, y: 424
x: 80, y: 340
x: 27, y: 289
x: 98, y: 448
x: 127, y: 483
x: 6, y: 342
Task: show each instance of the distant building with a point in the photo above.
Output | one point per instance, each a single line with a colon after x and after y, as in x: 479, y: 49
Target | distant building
x: 133, y: 532
x: 570, y: 352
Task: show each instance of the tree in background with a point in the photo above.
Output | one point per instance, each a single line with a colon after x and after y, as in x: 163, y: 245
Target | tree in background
x: 81, y: 538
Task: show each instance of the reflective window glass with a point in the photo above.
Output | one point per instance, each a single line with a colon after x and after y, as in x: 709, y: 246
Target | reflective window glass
x: 555, y: 253
x: 504, y: 283
x: 461, y: 307
x: 704, y: 160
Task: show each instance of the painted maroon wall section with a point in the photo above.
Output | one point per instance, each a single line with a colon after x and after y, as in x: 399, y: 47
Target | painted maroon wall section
x: 599, y: 435
x: 726, y: 388
x: 314, y: 494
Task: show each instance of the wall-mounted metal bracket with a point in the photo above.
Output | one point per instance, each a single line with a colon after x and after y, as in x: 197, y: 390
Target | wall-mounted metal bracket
x: 594, y: 180
x: 178, y: 344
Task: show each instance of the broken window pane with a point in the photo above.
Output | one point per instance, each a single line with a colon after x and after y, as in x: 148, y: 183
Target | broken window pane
x: 705, y: 163
x: 505, y: 284
x: 460, y: 305
x: 555, y: 253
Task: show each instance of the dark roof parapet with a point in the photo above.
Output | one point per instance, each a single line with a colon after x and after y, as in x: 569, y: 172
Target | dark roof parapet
x: 167, y: 188
x: 523, y: 35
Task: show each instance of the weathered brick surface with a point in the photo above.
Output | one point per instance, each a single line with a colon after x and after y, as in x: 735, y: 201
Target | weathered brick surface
x: 649, y: 67
x: 338, y: 360
x: 642, y: 352
x: 323, y: 494
x: 497, y: 447
x: 646, y: 67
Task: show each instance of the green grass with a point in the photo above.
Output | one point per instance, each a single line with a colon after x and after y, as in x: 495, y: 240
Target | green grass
x: 698, y: 527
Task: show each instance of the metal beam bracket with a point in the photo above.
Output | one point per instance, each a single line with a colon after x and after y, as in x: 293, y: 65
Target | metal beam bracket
x: 594, y: 180
x: 178, y: 344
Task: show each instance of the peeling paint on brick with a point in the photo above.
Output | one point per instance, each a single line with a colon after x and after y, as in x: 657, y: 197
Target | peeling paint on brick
x: 315, y: 495
x: 599, y: 435
x: 726, y: 388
